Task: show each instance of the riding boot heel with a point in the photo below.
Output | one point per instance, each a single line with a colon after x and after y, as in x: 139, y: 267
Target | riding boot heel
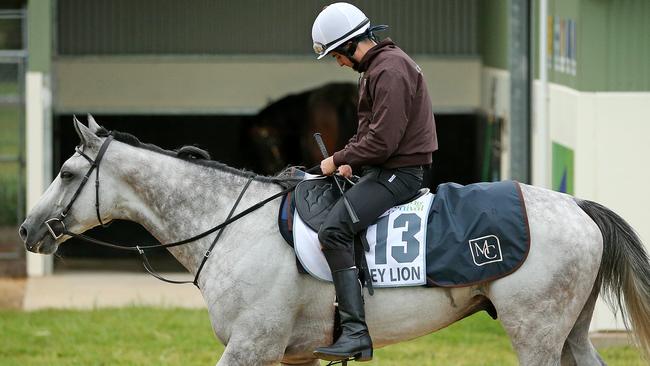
x: 365, y: 356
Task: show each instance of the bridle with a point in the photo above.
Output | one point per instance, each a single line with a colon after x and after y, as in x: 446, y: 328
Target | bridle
x: 94, y: 165
x: 57, y: 233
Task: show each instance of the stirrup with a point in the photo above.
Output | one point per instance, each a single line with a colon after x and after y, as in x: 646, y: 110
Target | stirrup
x: 345, y: 362
x: 364, y: 356
x: 340, y: 362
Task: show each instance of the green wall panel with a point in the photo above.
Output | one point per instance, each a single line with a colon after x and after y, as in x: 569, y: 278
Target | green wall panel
x: 493, y: 32
x: 565, y: 10
x: 227, y: 27
x: 613, y: 44
x: 39, y: 33
x: 628, y: 45
x: 563, y: 173
x: 592, y: 46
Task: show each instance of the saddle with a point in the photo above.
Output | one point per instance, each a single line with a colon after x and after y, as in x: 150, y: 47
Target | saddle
x: 312, y: 200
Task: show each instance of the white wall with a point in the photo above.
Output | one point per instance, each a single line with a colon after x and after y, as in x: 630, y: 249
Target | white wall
x: 38, y: 154
x: 608, y: 134
x: 618, y: 174
x: 229, y: 84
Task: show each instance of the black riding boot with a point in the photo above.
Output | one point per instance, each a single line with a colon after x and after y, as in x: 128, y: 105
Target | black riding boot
x: 355, y: 340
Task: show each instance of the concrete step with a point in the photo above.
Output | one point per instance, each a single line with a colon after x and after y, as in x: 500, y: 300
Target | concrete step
x: 91, y: 289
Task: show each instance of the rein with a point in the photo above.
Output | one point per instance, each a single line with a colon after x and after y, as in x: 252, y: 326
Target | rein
x: 59, y: 232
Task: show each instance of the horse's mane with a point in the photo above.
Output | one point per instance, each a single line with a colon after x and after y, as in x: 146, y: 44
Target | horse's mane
x: 195, y: 155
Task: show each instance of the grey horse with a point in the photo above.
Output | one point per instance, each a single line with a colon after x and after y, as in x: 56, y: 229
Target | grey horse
x: 266, y: 313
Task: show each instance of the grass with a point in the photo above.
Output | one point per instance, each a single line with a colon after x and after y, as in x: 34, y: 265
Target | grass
x: 152, y: 336
x: 130, y: 336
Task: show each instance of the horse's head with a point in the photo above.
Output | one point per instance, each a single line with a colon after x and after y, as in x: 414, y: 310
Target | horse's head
x: 70, y: 201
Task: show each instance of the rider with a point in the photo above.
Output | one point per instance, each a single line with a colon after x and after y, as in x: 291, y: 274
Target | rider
x: 395, y: 138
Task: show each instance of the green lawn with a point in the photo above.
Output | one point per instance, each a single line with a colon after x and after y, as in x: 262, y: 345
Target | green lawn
x: 151, y: 336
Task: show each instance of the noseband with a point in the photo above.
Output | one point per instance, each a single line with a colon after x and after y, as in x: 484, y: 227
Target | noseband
x: 94, y: 165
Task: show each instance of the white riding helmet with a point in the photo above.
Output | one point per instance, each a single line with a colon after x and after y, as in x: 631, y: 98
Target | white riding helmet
x: 336, y: 24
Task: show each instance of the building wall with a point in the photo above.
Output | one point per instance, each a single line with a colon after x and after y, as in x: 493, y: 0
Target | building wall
x: 612, y: 44
x: 220, y: 27
x: 217, y: 56
x: 627, y: 43
x: 598, y: 108
x: 493, y: 32
x: 237, y: 85
x: 606, y: 131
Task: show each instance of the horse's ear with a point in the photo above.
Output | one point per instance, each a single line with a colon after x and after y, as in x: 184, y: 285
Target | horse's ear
x: 92, y: 124
x: 87, y: 137
x: 77, y: 127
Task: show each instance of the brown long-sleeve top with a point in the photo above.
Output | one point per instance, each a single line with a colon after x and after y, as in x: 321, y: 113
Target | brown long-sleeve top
x: 396, y: 126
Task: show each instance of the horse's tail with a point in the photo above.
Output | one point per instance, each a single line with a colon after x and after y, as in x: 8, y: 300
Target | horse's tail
x: 624, y: 271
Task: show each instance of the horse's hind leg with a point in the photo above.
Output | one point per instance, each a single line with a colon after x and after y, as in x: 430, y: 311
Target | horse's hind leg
x: 540, y: 303
x: 537, y: 330
x: 578, y: 349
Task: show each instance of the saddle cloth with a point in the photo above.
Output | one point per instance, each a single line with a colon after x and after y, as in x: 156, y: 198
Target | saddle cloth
x: 476, y: 233
x: 464, y: 235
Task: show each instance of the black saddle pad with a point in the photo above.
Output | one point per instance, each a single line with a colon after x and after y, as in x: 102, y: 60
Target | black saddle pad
x: 476, y: 233
x: 314, y: 199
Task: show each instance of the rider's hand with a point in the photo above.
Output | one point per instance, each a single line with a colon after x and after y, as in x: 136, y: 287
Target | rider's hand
x: 327, y: 166
x: 346, y: 171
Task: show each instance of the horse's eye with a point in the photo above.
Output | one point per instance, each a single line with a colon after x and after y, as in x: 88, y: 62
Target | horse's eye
x: 66, y: 174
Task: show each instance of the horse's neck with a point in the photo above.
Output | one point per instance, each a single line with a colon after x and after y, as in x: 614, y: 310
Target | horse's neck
x: 175, y: 200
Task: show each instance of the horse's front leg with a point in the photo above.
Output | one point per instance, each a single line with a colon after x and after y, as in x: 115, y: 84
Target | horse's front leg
x: 256, y: 341
x: 246, y: 353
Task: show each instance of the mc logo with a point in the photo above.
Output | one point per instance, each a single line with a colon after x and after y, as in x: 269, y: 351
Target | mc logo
x: 485, y: 249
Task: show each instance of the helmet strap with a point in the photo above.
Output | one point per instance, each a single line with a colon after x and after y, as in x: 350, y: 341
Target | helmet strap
x: 348, y: 51
x: 350, y: 47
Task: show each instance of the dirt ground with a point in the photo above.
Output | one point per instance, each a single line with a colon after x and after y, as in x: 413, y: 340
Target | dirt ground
x: 12, y: 253
x: 12, y: 270
x: 9, y: 235
x: 12, y: 292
